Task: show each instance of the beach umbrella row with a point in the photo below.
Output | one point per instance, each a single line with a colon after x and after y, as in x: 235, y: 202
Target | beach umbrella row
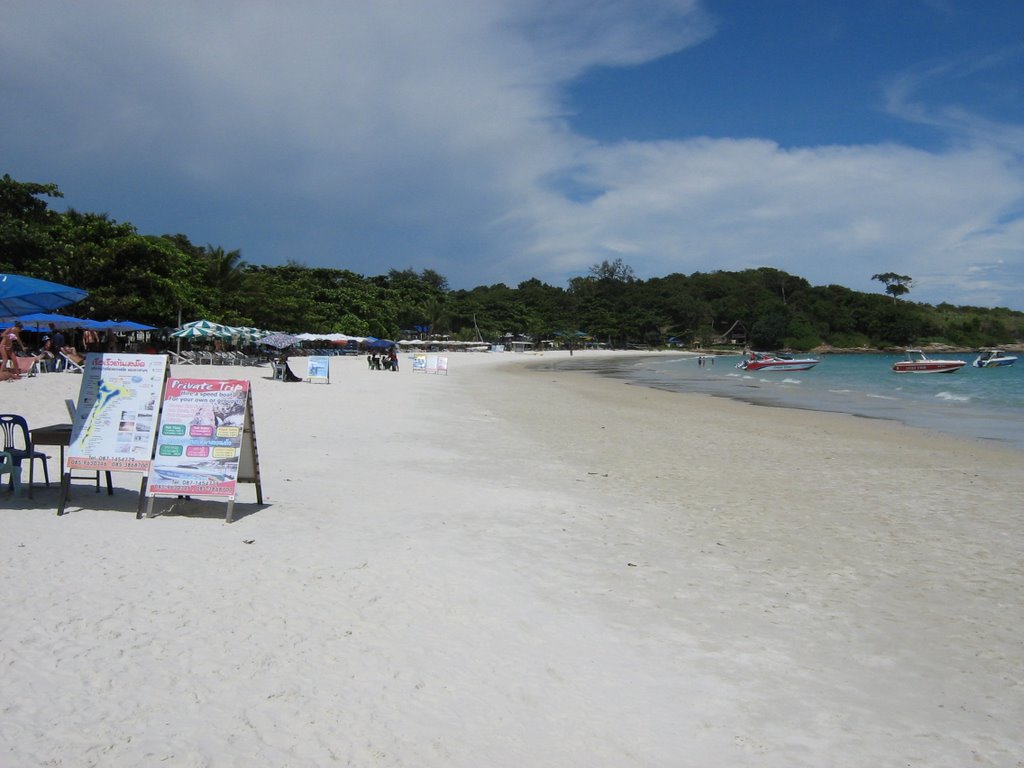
x: 208, y: 329
x: 41, y: 321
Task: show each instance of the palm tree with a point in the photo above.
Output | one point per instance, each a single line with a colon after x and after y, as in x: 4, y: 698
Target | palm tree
x: 225, y: 270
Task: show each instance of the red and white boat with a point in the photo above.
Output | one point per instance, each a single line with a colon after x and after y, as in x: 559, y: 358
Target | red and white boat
x: 776, y: 361
x: 918, y: 362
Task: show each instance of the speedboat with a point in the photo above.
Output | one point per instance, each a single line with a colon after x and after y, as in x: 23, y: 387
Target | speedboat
x: 918, y: 362
x: 993, y: 358
x: 776, y: 361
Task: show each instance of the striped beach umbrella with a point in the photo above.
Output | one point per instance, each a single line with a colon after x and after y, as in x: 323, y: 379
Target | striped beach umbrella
x: 248, y: 335
x: 191, y: 333
x: 200, y: 329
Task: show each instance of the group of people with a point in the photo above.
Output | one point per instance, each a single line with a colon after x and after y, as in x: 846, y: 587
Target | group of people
x: 383, y: 361
x: 48, y: 352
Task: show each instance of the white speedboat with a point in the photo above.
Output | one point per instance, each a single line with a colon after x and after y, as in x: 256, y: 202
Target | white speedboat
x: 918, y: 362
x: 993, y: 358
x: 776, y: 361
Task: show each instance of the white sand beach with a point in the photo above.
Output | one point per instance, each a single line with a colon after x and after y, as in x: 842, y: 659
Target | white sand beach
x: 503, y: 567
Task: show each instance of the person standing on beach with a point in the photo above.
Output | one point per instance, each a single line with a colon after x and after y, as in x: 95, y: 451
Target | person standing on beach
x: 11, y: 337
x: 90, y: 340
x: 57, y: 339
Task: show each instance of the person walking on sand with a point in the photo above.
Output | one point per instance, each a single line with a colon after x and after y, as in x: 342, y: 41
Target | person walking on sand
x: 10, y: 338
x: 57, y: 339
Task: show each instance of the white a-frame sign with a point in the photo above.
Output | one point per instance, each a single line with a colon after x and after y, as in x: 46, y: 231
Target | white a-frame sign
x: 206, y: 442
x: 115, y: 420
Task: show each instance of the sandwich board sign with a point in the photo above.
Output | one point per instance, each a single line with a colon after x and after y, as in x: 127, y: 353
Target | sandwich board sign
x: 206, y: 441
x: 319, y: 368
x: 430, y: 364
x: 114, y: 422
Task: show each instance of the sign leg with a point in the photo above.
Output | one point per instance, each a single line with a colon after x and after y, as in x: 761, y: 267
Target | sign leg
x: 142, y: 497
x: 65, y: 487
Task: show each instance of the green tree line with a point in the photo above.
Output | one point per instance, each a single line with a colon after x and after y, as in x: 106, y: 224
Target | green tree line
x: 159, y: 279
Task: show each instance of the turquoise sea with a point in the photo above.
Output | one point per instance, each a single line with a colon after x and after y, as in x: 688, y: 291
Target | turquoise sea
x: 973, y: 402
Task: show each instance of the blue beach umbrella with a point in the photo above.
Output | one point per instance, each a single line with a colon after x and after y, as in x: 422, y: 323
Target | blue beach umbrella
x: 40, y: 321
x: 20, y: 295
x: 121, y: 326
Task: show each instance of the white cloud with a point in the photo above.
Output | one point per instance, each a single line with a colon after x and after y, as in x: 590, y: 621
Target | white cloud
x: 431, y: 134
x: 831, y: 214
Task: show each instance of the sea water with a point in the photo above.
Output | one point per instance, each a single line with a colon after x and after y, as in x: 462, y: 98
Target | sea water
x: 985, y: 403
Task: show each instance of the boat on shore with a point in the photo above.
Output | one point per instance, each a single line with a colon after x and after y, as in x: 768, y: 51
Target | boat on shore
x: 993, y: 358
x: 776, y: 361
x: 918, y: 362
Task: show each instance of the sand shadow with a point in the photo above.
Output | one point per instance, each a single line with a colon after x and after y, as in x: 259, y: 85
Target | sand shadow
x: 211, y: 509
x: 83, y: 498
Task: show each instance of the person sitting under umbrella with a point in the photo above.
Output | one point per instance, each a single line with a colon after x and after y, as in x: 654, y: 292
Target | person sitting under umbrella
x: 286, y: 371
x: 46, y: 353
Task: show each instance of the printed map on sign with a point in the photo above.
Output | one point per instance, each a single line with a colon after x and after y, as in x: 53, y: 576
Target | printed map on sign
x: 200, y: 437
x: 117, y: 406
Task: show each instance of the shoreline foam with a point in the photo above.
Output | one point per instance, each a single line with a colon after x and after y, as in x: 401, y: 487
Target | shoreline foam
x: 979, y: 420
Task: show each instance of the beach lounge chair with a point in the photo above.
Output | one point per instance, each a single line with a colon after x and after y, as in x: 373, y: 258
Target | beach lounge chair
x: 181, y: 358
x: 11, y: 426
x: 28, y: 366
x: 73, y: 362
x: 8, y: 467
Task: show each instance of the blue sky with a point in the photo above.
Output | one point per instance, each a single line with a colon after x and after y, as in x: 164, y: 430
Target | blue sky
x: 498, y: 141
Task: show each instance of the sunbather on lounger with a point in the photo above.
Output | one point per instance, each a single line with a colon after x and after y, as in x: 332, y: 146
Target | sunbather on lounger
x: 75, y: 360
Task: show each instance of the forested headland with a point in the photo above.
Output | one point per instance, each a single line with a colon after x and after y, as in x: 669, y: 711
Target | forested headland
x: 157, y: 279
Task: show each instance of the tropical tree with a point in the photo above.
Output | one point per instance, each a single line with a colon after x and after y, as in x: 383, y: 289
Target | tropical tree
x: 616, y: 270
x: 26, y: 241
x: 895, y: 285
